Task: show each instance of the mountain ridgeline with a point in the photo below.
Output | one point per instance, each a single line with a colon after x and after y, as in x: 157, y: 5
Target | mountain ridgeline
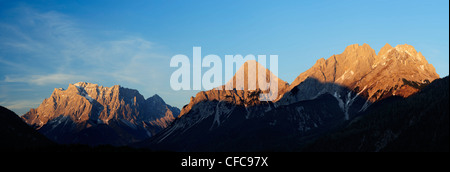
x: 17, y: 135
x: 417, y: 123
x: 359, y: 99
x: 86, y: 113
x: 320, y: 100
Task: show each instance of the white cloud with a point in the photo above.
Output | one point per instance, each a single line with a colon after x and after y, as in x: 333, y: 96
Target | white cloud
x: 46, y: 79
x: 52, y: 43
x: 21, y: 104
x: 20, y: 107
x: 45, y: 49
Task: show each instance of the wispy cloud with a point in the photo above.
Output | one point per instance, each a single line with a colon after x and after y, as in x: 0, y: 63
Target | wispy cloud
x: 50, y: 79
x: 21, y: 106
x: 52, y: 44
x: 48, y: 48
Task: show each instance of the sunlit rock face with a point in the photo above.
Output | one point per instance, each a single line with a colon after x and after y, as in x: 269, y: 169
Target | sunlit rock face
x: 91, y: 114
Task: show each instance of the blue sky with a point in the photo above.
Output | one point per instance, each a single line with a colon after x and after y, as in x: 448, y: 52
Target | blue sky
x: 49, y: 44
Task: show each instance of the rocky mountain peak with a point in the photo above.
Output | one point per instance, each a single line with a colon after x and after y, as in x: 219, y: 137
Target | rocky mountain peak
x: 249, y: 72
x: 342, y: 68
x: 411, y: 51
x: 241, y: 94
x: 406, y: 48
x: 399, y: 70
x: 333, y: 91
x: 84, y: 84
x: 354, y: 54
x: 405, y: 52
x: 361, y: 51
x: 384, y: 50
x: 156, y: 98
x: 85, y: 105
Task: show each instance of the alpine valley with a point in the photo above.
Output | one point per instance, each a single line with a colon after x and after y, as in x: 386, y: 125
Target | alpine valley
x: 358, y: 100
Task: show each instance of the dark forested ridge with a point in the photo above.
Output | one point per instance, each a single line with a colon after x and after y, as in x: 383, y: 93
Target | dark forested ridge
x: 417, y: 123
x: 17, y: 135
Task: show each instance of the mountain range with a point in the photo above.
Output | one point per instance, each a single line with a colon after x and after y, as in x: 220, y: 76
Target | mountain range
x: 86, y: 113
x: 359, y: 99
x: 322, y: 98
x: 417, y: 123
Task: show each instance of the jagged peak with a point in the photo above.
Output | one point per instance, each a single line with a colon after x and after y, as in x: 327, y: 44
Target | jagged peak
x: 88, y: 84
x: 85, y: 84
x: 60, y: 89
x: 351, y: 47
x: 387, y: 45
x: 156, y: 98
x: 385, y: 49
x: 356, y: 52
x: 356, y: 47
x: 366, y: 46
x: 405, y: 48
x: 355, y: 68
x: 244, y: 71
x: 246, y: 65
x: 80, y: 86
x: 123, y: 109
